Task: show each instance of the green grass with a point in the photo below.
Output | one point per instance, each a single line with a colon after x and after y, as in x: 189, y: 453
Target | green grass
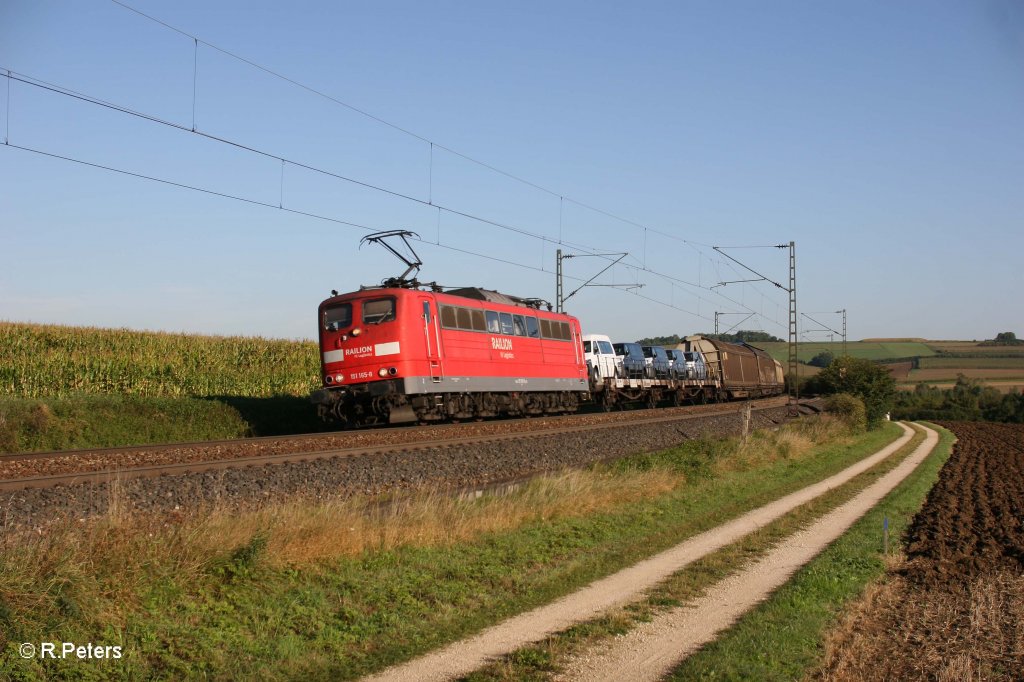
x: 684, y: 586
x: 858, y: 349
x: 55, y: 361
x: 782, y: 639
x: 972, y: 363
x: 97, y: 421
x: 240, y: 617
x: 79, y: 387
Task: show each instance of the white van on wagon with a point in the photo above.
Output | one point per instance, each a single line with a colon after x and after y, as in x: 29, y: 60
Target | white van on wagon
x: 600, y: 356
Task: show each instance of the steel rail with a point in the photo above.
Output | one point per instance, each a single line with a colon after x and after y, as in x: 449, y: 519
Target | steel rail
x: 198, y: 467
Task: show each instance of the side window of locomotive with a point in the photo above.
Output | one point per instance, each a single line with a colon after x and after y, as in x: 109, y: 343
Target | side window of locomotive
x: 545, y: 328
x: 506, y: 324
x: 338, y: 317
x: 520, y: 325
x: 448, y: 317
x: 532, y: 330
x: 479, y: 325
x: 564, y: 331
x: 492, y: 322
x: 465, y: 321
x: 378, y: 310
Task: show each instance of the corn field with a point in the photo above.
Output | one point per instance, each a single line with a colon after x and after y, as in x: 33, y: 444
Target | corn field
x: 53, y: 361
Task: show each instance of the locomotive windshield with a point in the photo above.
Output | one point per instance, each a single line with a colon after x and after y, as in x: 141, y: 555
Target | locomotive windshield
x: 378, y: 310
x: 338, y: 317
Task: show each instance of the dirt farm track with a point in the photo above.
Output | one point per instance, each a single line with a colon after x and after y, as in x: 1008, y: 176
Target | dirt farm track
x: 955, y: 608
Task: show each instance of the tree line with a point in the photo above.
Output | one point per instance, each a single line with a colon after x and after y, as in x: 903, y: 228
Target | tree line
x: 968, y: 400
x: 742, y: 336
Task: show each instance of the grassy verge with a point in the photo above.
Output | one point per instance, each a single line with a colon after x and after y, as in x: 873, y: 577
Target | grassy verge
x: 782, y: 638
x: 541, y: 661
x: 86, y: 421
x: 278, y: 595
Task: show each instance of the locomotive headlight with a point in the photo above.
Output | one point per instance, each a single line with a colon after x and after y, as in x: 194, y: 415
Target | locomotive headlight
x: 328, y: 379
x: 339, y: 378
x: 392, y: 371
x: 357, y: 331
x: 383, y: 371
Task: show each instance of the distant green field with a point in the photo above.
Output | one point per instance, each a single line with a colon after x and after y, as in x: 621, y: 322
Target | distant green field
x: 973, y: 348
x: 973, y: 363
x: 858, y: 349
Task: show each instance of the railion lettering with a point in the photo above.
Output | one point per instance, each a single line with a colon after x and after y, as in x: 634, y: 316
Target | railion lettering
x: 501, y: 344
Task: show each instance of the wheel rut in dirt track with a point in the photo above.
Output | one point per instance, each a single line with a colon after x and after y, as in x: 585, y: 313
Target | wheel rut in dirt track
x: 653, y: 649
x: 462, y: 657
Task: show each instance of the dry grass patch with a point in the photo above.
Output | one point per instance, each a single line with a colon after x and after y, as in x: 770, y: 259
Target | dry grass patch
x: 794, y: 442
x: 103, y: 565
x: 302, y: 532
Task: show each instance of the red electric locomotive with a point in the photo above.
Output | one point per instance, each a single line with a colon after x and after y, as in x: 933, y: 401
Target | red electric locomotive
x: 399, y: 353
x: 395, y: 354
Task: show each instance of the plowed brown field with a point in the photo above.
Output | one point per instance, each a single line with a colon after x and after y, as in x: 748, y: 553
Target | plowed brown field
x: 955, y: 608
x: 972, y: 522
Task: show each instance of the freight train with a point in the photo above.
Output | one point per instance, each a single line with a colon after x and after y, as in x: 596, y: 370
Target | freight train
x: 400, y: 353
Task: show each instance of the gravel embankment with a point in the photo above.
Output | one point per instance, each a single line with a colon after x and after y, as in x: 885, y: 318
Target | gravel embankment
x: 458, y: 467
x: 76, y: 461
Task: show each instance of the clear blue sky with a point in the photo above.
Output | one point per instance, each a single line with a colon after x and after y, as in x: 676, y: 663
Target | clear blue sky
x: 885, y: 138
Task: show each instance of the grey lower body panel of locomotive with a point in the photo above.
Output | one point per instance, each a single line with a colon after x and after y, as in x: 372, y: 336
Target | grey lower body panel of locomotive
x: 426, y: 398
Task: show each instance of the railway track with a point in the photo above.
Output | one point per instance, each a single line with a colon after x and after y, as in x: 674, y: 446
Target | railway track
x: 66, y: 468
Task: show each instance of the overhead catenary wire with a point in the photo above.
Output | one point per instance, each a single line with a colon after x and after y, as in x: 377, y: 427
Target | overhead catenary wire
x: 264, y: 204
x: 316, y: 216
x: 65, y: 91
x: 284, y: 161
x: 406, y: 131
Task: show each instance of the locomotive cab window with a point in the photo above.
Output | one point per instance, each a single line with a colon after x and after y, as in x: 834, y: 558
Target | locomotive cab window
x: 506, y: 324
x: 378, y: 310
x: 492, y: 322
x: 520, y: 325
x: 448, y: 317
x: 338, y: 317
x: 532, y: 329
